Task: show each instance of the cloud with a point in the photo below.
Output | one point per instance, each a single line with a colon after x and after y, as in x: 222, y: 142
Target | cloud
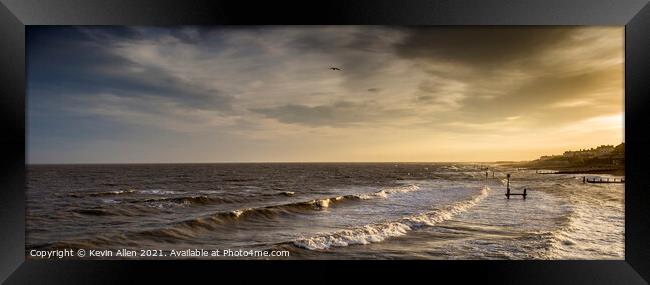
x: 481, y: 47
x: 475, y: 73
x: 338, y: 114
x: 90, y: 61
x: 542, y: 95
x: 148, y: 110
x: 519, y: 71
x: 273, y: 84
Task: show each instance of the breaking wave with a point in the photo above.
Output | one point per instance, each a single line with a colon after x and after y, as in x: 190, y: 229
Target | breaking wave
x: 188, y: 228
x: 378, y: 232
x: 100, y: 194
x: 269, y: 212
x: 187, y: 200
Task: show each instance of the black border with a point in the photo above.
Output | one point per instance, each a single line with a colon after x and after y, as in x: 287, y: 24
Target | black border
x: 15, y: 14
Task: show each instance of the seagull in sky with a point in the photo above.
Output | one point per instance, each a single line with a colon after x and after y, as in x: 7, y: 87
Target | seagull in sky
x: 334, y: 68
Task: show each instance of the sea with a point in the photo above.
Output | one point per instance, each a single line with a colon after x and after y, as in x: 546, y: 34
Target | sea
x: 325, y: 211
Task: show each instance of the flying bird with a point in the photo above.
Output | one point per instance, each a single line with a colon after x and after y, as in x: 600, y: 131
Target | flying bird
x: 334, y: 68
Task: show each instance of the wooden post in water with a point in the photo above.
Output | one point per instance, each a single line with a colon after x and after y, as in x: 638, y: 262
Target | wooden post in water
x: 525, y: 194
x: 508, y: 194
x: 508, y: 186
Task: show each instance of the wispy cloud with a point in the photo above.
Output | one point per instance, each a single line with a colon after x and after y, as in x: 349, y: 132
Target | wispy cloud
x: 271, y: 85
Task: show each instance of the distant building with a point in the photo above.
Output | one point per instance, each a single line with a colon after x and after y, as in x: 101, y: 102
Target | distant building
x: 603, y: 149
x: 601, y: 156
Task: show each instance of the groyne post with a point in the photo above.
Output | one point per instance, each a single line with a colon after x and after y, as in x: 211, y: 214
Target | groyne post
x: 508, y: 186
x: 508, y: 194
x: 525, y: 194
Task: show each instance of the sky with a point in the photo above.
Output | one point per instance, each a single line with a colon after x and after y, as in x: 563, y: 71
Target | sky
x: 267, y: 94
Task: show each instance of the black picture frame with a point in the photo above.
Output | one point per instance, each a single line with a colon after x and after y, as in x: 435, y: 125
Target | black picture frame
x: 16, y: 14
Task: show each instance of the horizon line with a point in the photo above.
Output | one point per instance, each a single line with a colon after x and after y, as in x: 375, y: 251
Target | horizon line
x: 286, y: 162
x: 261, y: 162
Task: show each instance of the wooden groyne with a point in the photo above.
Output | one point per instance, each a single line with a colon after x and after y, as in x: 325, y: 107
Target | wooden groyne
x: 585, y: 170
x: 547, y: 171
x: 508, y: 193
x: 603, y: 180
x: 589, y: 170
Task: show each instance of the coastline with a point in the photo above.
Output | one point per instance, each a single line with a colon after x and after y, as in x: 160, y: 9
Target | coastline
x: 569, y: 170
x: 572, y: 170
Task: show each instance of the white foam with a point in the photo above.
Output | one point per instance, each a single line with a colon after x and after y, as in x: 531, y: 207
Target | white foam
x: 378, y: 194
x: 238, y: 213
x: 402, y: 189
x: 385, y: 192
x: 211, y: 192
x: 324, y: 203
x: 157, y: 192
x: 380, y: 231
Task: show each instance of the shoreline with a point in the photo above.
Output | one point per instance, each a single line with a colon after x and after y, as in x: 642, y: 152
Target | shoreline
x: 616, y: 172
x: 569, y: 169
x: 576, y: 170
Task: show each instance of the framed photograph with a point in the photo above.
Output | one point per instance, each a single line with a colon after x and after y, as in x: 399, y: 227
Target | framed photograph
x: 427, y: 137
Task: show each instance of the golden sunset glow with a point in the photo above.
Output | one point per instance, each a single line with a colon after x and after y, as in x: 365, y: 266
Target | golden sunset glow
x: 269, y: 94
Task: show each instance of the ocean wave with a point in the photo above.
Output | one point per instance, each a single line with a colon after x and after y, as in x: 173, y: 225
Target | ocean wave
x: 157, y: 192
x: 95, y: 212
x: 260, y: 213
x: 378, y: 232
x: 315, y: 204
x: 281, y: 193
x: 212, y: 221
x: 113, y: 210
x: 190, y: 227
x: 122, y: 192
x: 186, y: 200
x: 201, y: 199
x: 385, y: 192
x: 99, y: 194
x: 588, y: 230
